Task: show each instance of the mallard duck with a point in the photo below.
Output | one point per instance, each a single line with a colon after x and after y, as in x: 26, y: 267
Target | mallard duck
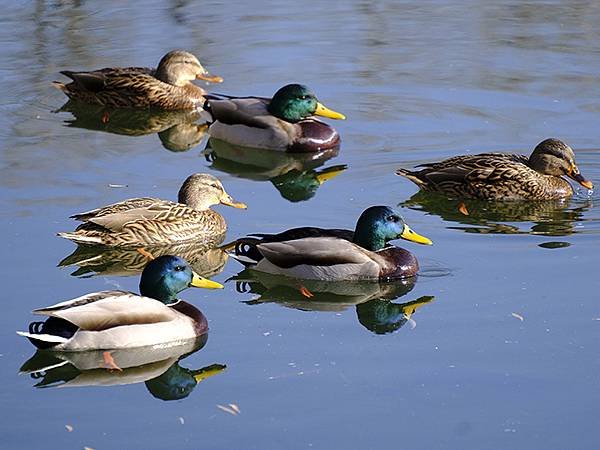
x: 336, y: 254
x: 501, y: 176
x: 284, y: 122
x: 149, y: 221
x: 166, y: 87
x: 118, y: 319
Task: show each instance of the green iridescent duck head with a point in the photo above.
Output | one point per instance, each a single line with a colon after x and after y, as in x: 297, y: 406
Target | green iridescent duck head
x: 166, y: 276
x: 378, y: 225
x: 295, y: 102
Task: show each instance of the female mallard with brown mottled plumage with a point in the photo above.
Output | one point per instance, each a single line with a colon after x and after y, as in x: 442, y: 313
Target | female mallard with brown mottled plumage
x: 167, y: 87
x: 284, y: 122
x: 335, y: 254
x: 501, y: 176
x: 149, y: 221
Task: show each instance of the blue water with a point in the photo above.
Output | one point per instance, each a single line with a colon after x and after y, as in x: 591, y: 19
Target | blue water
x: 503, y: 356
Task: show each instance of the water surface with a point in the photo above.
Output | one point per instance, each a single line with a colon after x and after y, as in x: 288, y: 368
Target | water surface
x: 503, y: 354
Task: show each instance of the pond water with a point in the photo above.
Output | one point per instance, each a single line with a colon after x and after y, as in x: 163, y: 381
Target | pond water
x: 504, y: 352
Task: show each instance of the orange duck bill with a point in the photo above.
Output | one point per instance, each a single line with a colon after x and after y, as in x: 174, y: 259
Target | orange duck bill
x: 576, y: 175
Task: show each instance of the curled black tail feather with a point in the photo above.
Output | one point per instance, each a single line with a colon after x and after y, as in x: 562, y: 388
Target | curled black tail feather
x: 53, y: 326
x: 247, y: 247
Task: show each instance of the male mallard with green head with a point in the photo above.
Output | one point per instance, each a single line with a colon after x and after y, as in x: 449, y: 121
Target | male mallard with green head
x: 118, y: 319
x: 503, y: 176
x: 336, y: 254
x: 285, y: 122
x: 168, y: 86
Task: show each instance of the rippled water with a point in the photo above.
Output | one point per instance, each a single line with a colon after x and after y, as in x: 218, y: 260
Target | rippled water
x: 494, y: 346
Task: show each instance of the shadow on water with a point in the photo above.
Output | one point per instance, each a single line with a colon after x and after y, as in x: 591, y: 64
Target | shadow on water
x: 205, y: 259
x: 373, y: 300
x: 178, y: 131
x: 548, y: 218
x: 157, y: 367
x: 294, y: 175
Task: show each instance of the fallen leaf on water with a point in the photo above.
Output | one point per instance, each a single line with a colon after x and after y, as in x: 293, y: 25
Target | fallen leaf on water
x: 306, y: 292
x: 235, y: 407
x: 88, y: 448
x: 111, y: 185
x: 518, y: 316
x: 227, y: 409
x: 181, y: 420
x: 69, y: 428
x: 462, y: 208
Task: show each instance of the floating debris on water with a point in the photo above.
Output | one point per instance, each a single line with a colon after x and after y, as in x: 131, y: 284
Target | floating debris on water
x: 518, y: 316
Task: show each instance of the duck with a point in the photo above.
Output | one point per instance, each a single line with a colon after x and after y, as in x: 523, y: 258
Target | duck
x: 284, y: 122
x: 118, y: 319
x: 166, y: 87
x: 312, y: 253
x: 146, y: 221
x: 504, y: 176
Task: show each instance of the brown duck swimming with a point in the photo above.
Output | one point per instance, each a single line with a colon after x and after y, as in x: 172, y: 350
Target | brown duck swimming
x: 285, y: 122
x: 503, y: 176
x: 166, y: 87
x: 150, y: 221
x: 336, y: 254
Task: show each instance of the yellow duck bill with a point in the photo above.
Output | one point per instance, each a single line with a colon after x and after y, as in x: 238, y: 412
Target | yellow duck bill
x: 326, y: 112
x: 410, y: 235
x: 201, y: 282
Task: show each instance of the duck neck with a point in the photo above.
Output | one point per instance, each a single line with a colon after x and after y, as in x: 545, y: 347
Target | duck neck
x: 368, y: 239
x: 158, y: 291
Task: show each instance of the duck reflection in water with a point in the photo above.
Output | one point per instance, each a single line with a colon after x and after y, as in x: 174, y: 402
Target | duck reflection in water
x: 178, y: 131
x: 294, y: 175
x: 157, y: 367
x: 206, y: 259
x: 549, y: 217
x: 372, y: 300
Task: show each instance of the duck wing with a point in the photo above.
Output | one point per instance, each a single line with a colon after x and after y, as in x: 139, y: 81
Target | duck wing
x: 485, y: 167
x: 107, y: 309
x: 246, y: 247
x: 315, y: 251
x: 98, y: 80
x: 124, y: 206
x: 248, y: 111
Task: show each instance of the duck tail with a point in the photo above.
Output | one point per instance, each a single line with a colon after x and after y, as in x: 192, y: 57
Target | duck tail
x: 412, y: 176
x: 245, y: 250
x: 43, y: 341
x: 80, y: 239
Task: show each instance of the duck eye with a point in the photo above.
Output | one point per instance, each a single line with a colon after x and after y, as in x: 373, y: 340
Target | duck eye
x: 179, y: 268
x: 392, y: 218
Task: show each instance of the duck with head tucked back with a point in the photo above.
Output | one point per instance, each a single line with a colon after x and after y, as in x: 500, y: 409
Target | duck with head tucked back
x: 503, y: 176
x: 168, y: 86
x: 285, y: 122
x: 118, y: 319
x: 139, y: 222
x: 336, y: 254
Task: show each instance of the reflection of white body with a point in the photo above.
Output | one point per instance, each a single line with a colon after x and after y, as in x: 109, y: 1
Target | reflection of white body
x: 137, y: 365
